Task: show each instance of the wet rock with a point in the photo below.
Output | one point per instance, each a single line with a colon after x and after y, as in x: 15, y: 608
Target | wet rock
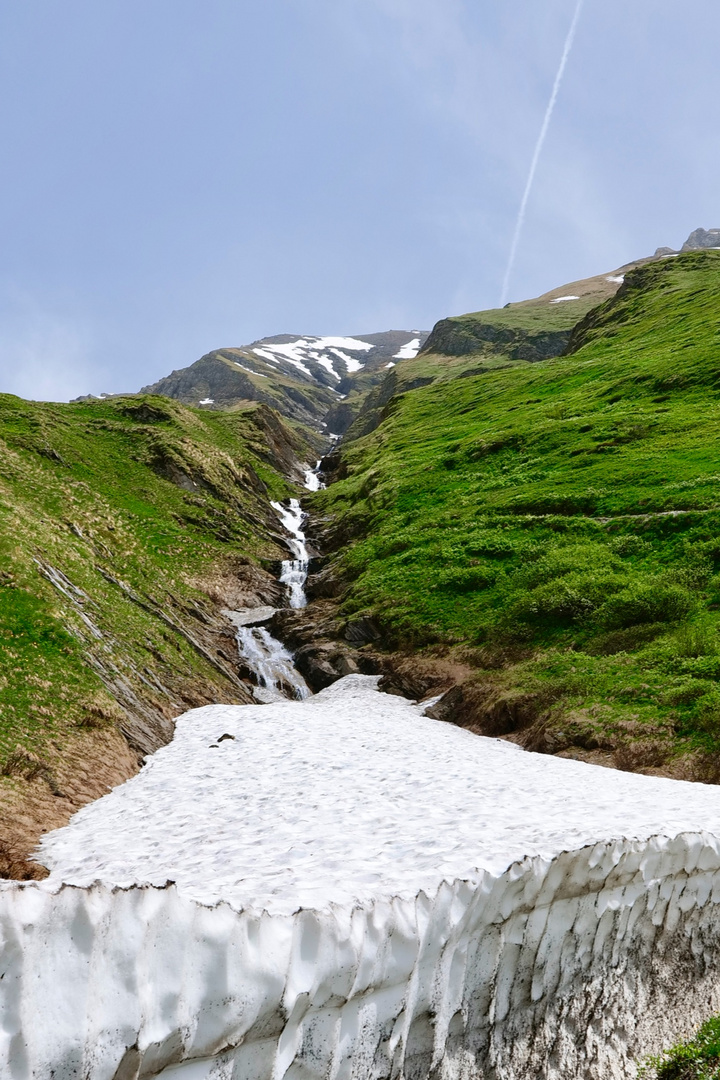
x: 362, y: 632
x: 448, y: 705
x: 324, y: 585
x: 323, y: 664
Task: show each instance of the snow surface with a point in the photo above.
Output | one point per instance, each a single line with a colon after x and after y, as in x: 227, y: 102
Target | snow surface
x: 207, y: 401
x: 409, y: 351
x: 312, y: 348
x: 288, y: 353
x: 616, y: 279
x: 363, y: 802
x: 563, y: 299
x: 350, y: 362
x: 249, y: 370
x: 323, y: 361
x: 344, y: 889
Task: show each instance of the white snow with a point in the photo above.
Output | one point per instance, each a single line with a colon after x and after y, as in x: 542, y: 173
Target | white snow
x: 249, y: 370
x: 347, y: 343
x: 409, y: 351
x: 616, y: 279
x: 343, y: 888
x: 299, y: 352
x: 207, y: 401
x: 317, y: 349
x: 350, y: 362
x: 390, y: 365
x: 289, y: 353
x: 363, y: 802
x: 323, y: 361
x: 266, y: 355
x: 563, y: 299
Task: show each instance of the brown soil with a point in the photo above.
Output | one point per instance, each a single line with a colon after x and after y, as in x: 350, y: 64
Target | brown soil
x: 87, y: 767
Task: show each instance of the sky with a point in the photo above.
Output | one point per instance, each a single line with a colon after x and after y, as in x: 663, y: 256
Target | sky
x: 182, y: 175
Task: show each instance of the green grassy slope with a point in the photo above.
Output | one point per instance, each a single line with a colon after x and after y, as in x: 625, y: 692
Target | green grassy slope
x: 473, y: 344
x: 561, y: 519
x: 124, y: 527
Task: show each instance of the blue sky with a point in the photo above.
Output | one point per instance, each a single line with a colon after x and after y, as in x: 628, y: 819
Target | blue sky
x: 179, y: 175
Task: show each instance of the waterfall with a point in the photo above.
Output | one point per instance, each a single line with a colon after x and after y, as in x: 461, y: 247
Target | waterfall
x: 312, y: 478
x: 273, y: 665
x: 267, y: 658
x: 294, y: 571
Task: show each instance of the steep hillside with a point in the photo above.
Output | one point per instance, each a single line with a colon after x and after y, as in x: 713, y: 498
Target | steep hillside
x: 549, y: 533
x: 481, y: 341
x: 126, y: 526
x: 317, y: 381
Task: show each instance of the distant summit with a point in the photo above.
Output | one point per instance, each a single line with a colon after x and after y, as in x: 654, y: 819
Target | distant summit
x: 317, y: 381
x: 702, y: 238
x: 699, y: 240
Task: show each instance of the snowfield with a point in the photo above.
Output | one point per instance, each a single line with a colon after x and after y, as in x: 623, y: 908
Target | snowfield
x: 344, y: 888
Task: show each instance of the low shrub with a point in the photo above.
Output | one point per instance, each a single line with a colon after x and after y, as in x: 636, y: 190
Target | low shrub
x: 645, y: 602
x: 630, y: 639
x: 696, y: 1059
x: 697, y: 639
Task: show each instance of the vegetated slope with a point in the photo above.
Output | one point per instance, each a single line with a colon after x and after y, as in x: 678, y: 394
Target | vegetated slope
x: 531, y: 330
x: 125, y: 527
x: 482, y: 341
x: 317, y: 381
x: 557, y: 526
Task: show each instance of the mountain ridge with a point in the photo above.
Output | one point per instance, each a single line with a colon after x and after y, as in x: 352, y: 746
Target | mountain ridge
x: 311, y: 380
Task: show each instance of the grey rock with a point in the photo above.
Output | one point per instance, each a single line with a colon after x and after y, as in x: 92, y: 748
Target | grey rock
x: 702, y: 239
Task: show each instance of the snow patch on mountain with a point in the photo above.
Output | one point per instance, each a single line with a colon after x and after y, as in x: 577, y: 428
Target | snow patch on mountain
x: 409, y: 351
x: 316, y: 348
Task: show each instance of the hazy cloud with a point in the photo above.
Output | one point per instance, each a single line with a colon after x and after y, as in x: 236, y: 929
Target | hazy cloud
x: 43, y: 356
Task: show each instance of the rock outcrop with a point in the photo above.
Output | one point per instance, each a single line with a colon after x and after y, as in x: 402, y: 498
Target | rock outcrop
x: 701, y: 239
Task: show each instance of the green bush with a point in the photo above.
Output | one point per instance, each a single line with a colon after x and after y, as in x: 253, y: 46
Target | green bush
x: 465, y: 579
x: 697, y: 639
x: 645, y: 602
x: 563, y: 602
x: 696, y: 1059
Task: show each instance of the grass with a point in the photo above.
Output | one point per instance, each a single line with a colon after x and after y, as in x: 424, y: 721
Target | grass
x: 565, y: 514
x: 113, y: 514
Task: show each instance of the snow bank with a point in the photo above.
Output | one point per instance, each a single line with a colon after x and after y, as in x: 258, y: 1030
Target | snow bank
x: 343, y: 888
x: 409, y: 350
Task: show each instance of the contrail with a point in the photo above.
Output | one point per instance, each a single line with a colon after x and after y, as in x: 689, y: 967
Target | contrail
x: 538, y: 150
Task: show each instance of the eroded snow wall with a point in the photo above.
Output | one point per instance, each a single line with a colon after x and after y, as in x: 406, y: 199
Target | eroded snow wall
x: 564, y: 964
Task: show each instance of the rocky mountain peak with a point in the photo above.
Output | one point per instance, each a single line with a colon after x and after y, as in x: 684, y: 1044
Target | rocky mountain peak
x: 698, y: 240
x: 702, y: 238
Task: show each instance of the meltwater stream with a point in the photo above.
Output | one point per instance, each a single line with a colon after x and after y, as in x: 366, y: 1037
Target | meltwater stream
x: 267, y: 657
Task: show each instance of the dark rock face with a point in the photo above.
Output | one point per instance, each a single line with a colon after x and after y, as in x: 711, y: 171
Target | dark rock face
x: 701, y: 239
x: 323, y: 651
x: 461, y: 337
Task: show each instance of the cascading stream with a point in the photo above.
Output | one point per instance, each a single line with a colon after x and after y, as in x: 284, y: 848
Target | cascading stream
x: 269, y: 660
x: 272, y: 664
x: 294, y: 571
